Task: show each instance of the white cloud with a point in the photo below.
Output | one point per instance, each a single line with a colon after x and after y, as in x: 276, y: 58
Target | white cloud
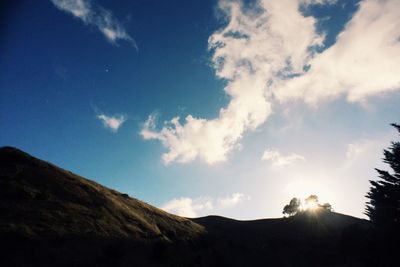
x: 112, y: 122
x: 230, y: 201
x: 263, y: 54
x: 362, y: 62
x: 97, y: 16
x: 278, y: 160
x: 78, y: 8
x: 255, y: 46
x: 187, y: 207
x: 202, y: 206
x: 148, y: 129
x: 320, y: 2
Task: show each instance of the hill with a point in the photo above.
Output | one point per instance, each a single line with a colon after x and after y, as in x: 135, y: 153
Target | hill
x: 307, y: 239
x: 52, y: 217
x: 39, y: 199
x: 41, y: 202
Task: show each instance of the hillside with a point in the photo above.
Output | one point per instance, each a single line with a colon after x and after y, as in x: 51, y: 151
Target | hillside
x: 52, y: 217
x: 40, y: 201
x: 307, y: 239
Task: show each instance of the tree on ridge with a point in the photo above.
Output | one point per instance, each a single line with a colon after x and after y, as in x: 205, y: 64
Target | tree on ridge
x: 293, y: 207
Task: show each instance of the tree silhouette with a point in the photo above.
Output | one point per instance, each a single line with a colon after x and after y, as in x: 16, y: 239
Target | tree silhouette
x: 383, y: 207
x: 310, y: 204
x: 293, y: 207
x: 326, y: 206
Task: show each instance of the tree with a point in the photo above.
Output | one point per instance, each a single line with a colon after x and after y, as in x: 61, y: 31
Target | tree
x: 293, y: 207
x: 326, y: 206
x: 383, y: 207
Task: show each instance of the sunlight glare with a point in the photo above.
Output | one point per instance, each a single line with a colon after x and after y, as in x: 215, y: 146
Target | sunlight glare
x: 311, y: 206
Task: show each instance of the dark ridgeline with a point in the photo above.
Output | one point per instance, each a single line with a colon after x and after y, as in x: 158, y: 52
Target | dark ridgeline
x: 52, y: 217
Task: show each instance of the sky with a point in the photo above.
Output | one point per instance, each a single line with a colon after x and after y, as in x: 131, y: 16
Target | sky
x: 223, y: 107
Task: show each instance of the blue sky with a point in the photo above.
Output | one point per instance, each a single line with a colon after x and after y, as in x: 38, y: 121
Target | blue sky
x: 206, y: 107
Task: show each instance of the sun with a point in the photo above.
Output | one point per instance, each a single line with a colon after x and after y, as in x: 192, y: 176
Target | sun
x: 311, y: 203
x: 311, y: 206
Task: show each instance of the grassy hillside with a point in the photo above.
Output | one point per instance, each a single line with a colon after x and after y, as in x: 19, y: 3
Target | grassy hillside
x: 44, y: 207
x: 39, y: 199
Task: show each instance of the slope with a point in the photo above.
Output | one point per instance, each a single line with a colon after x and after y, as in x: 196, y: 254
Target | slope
x: 47, y: 210
x: 40, y: 199
x: 308, y: 239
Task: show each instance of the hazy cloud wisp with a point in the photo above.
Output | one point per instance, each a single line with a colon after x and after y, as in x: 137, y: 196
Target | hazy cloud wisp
x: 112, y: 122
x: 201, y: 206
x: 279, y: 160
x: 97, y: 16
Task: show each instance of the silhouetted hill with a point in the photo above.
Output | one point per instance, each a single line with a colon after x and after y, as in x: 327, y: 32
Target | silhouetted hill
x: 40, y: 201
x: 321, y: 224
x: 307, y: 239
x: 52, y: 217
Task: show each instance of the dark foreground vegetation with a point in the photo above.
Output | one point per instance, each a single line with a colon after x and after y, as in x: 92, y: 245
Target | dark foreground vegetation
x: 52, y: 217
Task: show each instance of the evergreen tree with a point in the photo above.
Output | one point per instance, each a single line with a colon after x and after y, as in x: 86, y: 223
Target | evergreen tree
x: 383, y: 208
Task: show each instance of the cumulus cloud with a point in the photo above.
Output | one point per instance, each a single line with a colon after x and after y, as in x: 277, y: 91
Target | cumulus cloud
x: 362, y: 62
x: 255, y: 46
x: 267, y: 53
x: 112, y: 122
x: 277, y: 159
x: 97, y: 16
x: 189, y: 207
